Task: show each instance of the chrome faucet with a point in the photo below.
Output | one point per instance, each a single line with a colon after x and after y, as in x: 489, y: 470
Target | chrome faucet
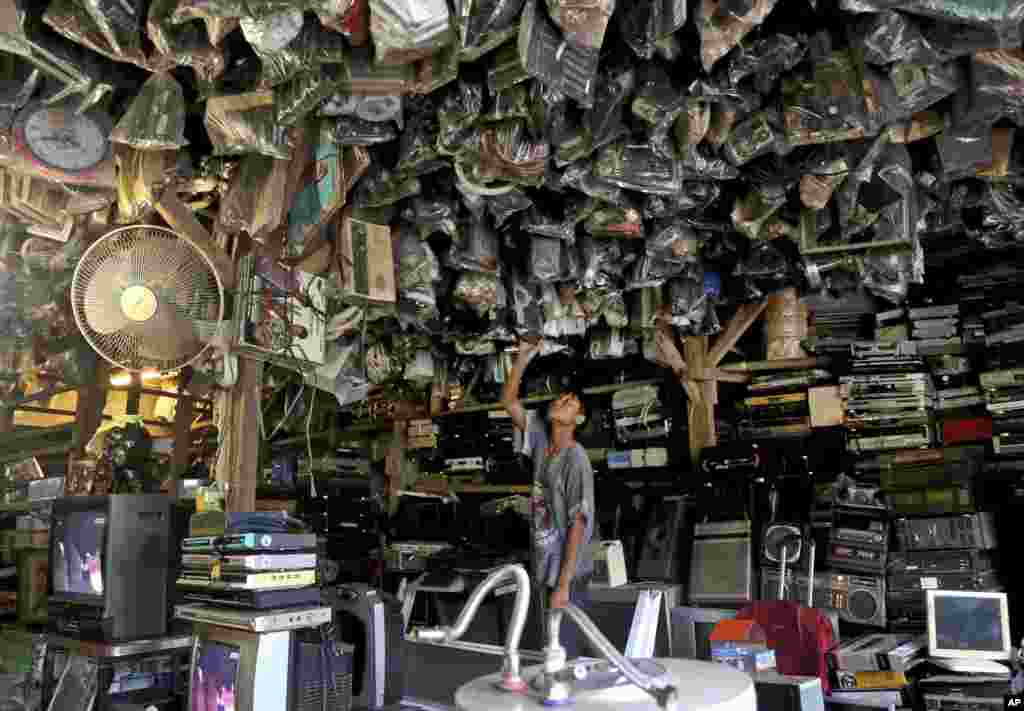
x: 510, y: 679
x: 557, y: 690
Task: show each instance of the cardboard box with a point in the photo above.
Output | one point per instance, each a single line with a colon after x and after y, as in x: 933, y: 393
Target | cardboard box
x: 366, y: 262
x: 826, y: 405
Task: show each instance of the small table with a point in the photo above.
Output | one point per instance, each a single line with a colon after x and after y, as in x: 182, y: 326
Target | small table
x: 107, y: 654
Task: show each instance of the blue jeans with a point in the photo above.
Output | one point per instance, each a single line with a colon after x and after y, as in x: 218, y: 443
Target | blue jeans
x: 569, y: 635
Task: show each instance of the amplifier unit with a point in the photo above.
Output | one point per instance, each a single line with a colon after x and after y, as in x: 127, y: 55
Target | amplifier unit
x: 916, y: 582
x: 721, y: 570
x: 859, y: 599
x: 964, y: 531
x: 949, y: 561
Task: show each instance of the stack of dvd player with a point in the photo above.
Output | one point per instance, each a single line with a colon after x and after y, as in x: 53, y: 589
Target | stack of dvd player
x: 1004, y: 395
x: 889, y: 399
x: 891, y: 326
x: 252, y: 570
x: 777, y: 405
x: 837, y: 324
x: 936, y: 329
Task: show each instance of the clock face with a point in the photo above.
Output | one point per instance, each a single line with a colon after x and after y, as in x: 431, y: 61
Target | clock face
x: 60, y: 138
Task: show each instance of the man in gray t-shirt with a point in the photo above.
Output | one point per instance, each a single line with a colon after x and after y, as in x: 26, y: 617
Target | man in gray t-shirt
x: 562, y: 502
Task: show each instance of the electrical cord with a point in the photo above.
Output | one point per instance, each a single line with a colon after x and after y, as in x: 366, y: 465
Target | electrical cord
x: 309, y: 445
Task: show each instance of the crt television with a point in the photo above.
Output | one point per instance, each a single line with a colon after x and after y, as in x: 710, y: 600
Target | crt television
x: 293, y: 670
x: 109, y: 559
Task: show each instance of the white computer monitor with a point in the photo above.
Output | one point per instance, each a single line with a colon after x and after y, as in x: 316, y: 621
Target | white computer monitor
x: 968, y: 625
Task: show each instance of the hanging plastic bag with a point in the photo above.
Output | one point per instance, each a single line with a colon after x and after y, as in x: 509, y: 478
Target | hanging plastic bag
x: 921, y: 85
x: 183, y: 45
x: 477, y: 290
x: 765, y: 59
x: 754, y: 137
x: 246, y: 123
x: 643, y: 23
x: 890, y: 36
x: 526, y: 310
x: 1002, y: 18
x: 637, y: 167
x: 720, y: 30
x: 476, y: 248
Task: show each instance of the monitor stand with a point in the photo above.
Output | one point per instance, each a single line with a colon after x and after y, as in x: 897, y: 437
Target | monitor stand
x: 972, y: 666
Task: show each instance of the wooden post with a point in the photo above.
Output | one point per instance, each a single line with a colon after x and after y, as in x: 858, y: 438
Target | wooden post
x: 92, y: 399
x: 698, y: 372
x: 237, y: 418
x: 394, y: 460
x: 182, y: 437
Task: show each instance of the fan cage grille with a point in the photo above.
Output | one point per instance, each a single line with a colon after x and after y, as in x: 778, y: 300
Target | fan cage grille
x: 166, y: 262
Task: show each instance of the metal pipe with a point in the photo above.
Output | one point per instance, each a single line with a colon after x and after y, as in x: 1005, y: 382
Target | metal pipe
x: 662, y: 692
x: 511, y: 680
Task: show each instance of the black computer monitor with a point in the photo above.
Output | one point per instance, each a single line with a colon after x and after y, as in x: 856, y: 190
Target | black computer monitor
x: 109, y: 560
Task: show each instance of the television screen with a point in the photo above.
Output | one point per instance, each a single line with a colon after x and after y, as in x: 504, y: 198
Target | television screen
x: 213, y: 677
x: 968, y: 623
x: 77, y: 565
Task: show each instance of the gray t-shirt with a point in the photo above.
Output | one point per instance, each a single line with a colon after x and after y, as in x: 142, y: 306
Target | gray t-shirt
x: 563, y: 486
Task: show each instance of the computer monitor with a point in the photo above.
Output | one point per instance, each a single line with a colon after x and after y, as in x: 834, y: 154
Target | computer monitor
x: 692, y: 627
x: 109, y: 558
x: 968, y: 625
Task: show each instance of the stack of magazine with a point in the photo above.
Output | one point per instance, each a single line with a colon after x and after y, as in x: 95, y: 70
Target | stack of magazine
x: 279, y: 314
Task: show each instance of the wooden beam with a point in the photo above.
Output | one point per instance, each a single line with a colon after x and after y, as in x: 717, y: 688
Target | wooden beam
x: 182, y: 437
x: 668, y: 354
x: 738, y: 325
x: 237, y: 419
x: 760, y: 366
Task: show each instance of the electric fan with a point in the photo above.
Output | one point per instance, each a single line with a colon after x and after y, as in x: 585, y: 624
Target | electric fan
x: 147, y: 297
x: 779, y: 537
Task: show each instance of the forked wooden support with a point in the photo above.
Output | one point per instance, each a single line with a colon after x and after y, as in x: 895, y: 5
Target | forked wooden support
x: 698, y: 372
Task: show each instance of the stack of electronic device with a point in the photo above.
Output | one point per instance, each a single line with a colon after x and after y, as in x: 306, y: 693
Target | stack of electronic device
x: 838, y: 323
x: 891, y: 326
x: 777, y: 406
x: 932, y: 481
x: 940, y: 553
x: 1004, y: 393
x: 936, y: 328
x: 888, y: 400
x: 871, y: 671
x: 248, y: 560
x: 956, y: 387
x: 477, y: 443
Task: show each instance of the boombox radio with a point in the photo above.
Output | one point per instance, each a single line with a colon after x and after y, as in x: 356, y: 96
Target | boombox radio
x: 859, y: 599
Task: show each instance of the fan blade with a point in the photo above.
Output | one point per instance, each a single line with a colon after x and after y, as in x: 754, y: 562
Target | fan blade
x: 167, y: 336
x: 101, y: 302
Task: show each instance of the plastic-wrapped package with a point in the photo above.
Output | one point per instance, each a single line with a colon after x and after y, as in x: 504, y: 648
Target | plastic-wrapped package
x: 155, y: 120
x: 764, y: 269
x: 503, y: 207
x: 602, y: 262
x: 354, y: 131
x: 888, y: 275
x: 822, y: 172
x: 1001, y: 17
x: 246, y: 123
x: 997, y: 78
x: 380, y: 187
x: 417, y: 146
x: 545, y: 258
x: 476, y: 248
x: 545, y: 55
x: 250, y: 204
x: 477, y: 290
x: 668, y: 252
x: 753, y: 137
x: 721, y: 30
x: 765, y: 59
x: 611, y: 343
x: 183, y: 45
x: 539, y: 222
x: 924, y: 124
x: 964, y: 150
x: 527, y: 313
x: 510, y: 103
x: 750, y: 212
x: 614, y: 88
x: 828, y: 106
x: 656, y: 98
x: 689, y: 303
x: 921, y: 85
x: 693, y: 196
x: 611, y: 221
x: 295, y: 99
x: 583, y: 22
x: 484, y: 25
x: 457, y: 114
x: 418, y: 270
x: 120, y: 21
x: 890, y: 36
x: 70, y: 20
x: 549, y: 117
x: 637, y: 167
x: 507, y: 153
x: 643, y: 23
x: 692, y: 125
x: 580, y: 176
